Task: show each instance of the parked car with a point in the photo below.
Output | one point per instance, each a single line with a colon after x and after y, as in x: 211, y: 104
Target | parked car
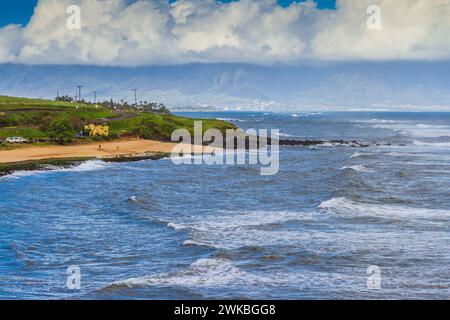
x: 16, y: 140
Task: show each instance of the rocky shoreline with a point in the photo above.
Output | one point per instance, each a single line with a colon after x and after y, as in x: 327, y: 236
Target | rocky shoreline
x: 298, y: 143
x: 309, y: 143
x: 52, y: 164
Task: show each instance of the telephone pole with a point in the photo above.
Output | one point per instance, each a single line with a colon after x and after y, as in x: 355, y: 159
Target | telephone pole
x: 135, y: 97
x: 79, y: 92
x: 95, y: 97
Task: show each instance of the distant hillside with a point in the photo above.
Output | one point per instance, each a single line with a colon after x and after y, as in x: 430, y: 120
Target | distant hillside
x: 58, y: 121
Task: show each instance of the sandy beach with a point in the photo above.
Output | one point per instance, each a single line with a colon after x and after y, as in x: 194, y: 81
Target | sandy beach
x: 99, y: 150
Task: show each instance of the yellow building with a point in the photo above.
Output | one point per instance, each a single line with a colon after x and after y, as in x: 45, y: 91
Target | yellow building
x: 97, y: 130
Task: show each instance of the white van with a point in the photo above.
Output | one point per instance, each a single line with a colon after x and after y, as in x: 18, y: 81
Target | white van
x: 16, y: 140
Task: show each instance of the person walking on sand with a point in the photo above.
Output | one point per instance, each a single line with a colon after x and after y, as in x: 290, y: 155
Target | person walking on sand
x: 99, y: 147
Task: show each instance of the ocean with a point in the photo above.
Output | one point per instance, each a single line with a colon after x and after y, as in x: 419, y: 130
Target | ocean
x: 156, y: 230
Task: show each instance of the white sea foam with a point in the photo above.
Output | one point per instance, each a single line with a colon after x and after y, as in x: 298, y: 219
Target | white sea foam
x: 409, y: 128
x: 229, y: 230
x: 324, y: 145
x: 432, y: 144
x: 360, y: 154
x: 305, y: 114
x: 345, y: 206
x: 92, y: 165
x: 417, y: 130
x: 176, y: 226
x: 359, y: 168
x: 219, y: 273
x: 376, y: 121
x: 251, y: 219
x: 432, y: 163
x: 201, y: 273
x: 223, y: 273
x: 188, y: 243
x: 356, y: 155
x: 398, y: 154
x: 432, y: 151
x: 437, y: 171
x: 132, y: 199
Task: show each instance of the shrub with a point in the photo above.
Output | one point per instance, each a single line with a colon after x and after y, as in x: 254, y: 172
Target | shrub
x: 46, y: 123
x: 61, y: 130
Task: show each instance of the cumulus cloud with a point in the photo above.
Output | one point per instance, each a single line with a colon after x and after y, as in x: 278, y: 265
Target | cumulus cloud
x: 144, y: 32
x: 410, y: 29
x: 10, y: 42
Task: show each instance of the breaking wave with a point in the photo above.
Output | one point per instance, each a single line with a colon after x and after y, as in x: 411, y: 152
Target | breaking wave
x: 233, y: 230
x: 345, y: 206
x: 358, y: 168
x: 361, y: 155
x: 201, y: 273
x: 432, y: 144
x: 216, y: 273
x: 416, y: 130
x: 92, y: 165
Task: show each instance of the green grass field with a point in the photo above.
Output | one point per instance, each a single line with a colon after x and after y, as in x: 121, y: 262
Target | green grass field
x: 35, y: 118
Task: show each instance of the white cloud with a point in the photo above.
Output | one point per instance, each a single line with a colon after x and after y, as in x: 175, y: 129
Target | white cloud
x: 117, y: 32
x: 410, y: 29
x: 10, y: 42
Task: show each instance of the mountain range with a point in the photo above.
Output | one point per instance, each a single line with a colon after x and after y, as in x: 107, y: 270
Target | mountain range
x: 310, y: 86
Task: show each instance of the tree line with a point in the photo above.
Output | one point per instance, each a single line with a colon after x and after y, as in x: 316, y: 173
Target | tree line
x: 123, y: 105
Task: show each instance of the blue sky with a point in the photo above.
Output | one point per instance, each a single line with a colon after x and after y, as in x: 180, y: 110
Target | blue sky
x: 19, y: 12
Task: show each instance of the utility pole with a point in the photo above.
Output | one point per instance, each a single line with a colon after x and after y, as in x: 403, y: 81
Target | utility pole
x: 135, y: 97
x: 79, y: 92
x: 95, y: 97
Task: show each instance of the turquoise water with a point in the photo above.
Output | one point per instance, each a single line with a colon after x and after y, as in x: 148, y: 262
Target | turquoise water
x: 154, y: 230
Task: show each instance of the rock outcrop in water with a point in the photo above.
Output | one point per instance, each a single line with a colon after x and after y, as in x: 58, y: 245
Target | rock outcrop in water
x: 293, y: 143
x: 309, y: 143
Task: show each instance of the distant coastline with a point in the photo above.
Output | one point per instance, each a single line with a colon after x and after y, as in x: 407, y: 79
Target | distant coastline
x: 63, y: 131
